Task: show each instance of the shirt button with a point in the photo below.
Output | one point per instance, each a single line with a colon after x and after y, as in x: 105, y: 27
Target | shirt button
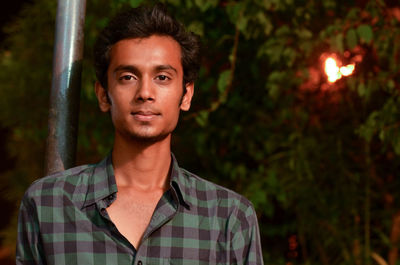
x: 140, y: 262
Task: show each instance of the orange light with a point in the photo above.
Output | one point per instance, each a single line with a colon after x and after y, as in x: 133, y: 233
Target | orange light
x: 347, y: 70
x: 334, y: 72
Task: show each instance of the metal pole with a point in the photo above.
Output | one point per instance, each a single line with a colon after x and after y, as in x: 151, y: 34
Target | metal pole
x: 65, y: 88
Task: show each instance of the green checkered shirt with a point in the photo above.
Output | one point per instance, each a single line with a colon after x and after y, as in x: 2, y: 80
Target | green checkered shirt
x: 63, y: 221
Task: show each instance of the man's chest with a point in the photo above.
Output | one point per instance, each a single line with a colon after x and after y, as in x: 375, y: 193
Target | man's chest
x: 173, y: 234
x: 131, y: 213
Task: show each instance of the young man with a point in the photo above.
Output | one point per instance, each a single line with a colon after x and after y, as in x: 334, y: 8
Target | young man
x: 138, y: 206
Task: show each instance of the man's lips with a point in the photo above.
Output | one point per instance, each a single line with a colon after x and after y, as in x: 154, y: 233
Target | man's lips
x: 145, y: 115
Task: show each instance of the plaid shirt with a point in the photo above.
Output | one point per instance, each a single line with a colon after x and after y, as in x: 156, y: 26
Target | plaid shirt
x: 63, y: 221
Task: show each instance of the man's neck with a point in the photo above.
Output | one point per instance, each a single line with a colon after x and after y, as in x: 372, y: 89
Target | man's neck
x: 141, y: 165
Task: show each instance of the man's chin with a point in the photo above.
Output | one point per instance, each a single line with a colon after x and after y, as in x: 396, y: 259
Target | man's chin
x: 148, y: 138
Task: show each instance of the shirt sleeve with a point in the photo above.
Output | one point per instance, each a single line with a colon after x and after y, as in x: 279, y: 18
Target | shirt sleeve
x: 246, y: 244
x: 29, y: 247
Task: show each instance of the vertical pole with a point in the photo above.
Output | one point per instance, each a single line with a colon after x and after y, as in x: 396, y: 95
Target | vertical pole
x: 65, y: 88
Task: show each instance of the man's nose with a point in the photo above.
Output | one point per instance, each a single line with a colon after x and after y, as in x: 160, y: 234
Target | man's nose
x: 145, y: 91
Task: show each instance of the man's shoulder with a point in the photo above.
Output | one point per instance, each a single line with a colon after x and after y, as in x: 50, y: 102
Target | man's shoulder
x: 61, y: 183
x: 201, y: 191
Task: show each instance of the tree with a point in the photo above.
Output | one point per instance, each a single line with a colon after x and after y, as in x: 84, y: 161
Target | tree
x: 318, y: 160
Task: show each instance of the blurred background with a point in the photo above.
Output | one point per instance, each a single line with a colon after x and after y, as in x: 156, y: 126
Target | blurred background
x: 297, y: 108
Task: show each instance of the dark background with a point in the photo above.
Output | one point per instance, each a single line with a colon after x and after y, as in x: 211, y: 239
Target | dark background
x: 8, y: 12
x: 319, y: 161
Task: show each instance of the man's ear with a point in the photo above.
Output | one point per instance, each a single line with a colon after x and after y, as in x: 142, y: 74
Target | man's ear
x: 187, y: 97
x: 102, y: 97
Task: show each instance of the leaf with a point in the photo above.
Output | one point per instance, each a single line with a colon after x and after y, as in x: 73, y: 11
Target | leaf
x: 365, y: 33
x: 233, y: 10
x: 382, y: 135
x: 223, y: 80
x: 265, y: 22
x: 174, y: 2
x: 391, y: 84
x: 272, y: 180
x: 202, y: 118
x: 351, y: 38
x: 282, y: 31
x: 367, y: 130
x: 304, y: 33
x: 196, y: 27
x: 273, y: 91
x: 353, y: 13
x: 290, y: 56
x: 135, y: 3
x: 242, y: 23
x: 362, y: 91
x: 396, y: 145
x: 276, y: 76
x: 339, y: 42
x: 205, y: 4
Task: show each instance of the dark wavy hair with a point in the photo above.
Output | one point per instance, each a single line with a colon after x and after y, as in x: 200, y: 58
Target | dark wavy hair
x: 143, y: 22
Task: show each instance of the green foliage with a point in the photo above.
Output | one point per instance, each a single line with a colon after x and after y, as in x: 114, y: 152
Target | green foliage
x: 318, y: 160
x: 365, y: 33
x: 351, y: 38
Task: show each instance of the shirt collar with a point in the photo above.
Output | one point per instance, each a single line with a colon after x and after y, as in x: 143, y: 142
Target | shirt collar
x: 179, y: 183
x: 102, y: 183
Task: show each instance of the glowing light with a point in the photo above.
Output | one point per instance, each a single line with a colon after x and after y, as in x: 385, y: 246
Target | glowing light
x: 334, y: 72
x: 347, y: 70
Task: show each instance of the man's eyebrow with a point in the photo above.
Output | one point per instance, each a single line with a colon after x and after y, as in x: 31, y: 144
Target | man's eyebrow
x: 165, y: 67
x: 134, y: 69
x: 129, y: 68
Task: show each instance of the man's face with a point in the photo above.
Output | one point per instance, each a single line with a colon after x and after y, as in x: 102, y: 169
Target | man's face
x: 145, y: 78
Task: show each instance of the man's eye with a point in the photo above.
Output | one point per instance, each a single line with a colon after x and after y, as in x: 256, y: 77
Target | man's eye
x: 163, y: 77
x: 126, y: 78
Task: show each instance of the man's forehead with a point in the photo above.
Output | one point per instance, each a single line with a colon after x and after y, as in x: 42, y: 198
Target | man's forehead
x: 164, y: 40
x: 157, y: 50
